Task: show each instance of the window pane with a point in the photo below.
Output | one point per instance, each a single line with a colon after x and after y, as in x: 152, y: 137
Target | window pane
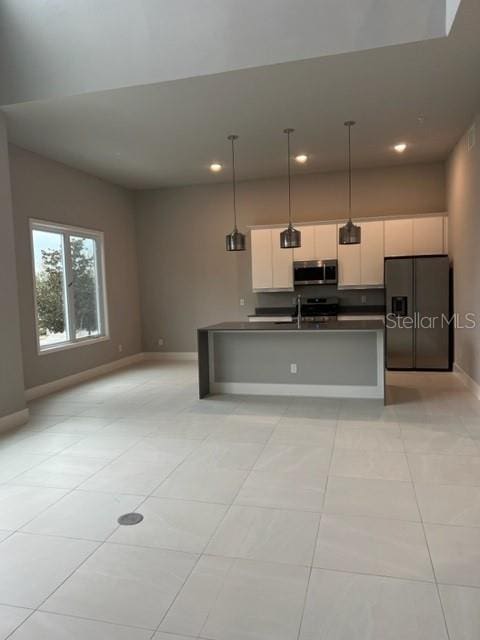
x: 85, y: 286
x: 50, y: 287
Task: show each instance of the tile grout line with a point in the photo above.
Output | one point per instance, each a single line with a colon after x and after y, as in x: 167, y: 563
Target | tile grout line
x: 202, y: 554
x: 99, y: 545
x: 437, y: 589
x: 309, y: 577
x: 228, y: 506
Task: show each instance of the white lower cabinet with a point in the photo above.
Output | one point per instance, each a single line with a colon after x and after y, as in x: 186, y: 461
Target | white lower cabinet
x: 272, y: 267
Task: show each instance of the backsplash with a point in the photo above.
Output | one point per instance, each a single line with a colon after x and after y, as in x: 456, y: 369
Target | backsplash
x: 350, y: 298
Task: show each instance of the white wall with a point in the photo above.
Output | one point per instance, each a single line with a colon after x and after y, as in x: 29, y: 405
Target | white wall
x: 11, y: 373
x: 51, y: 191
x: 463, y: 188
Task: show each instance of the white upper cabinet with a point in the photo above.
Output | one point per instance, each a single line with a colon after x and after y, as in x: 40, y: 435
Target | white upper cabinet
x: 349, y: 259
x: 319, y: 242
x: 262, y: 272
x: 428, y: 235
x: 361, y: 265
x: 307, y: 250
x: 326, y: 236
x: 399, y: 237
x: 272, y: 267
x: 282, y: 263
x: 372, y: 254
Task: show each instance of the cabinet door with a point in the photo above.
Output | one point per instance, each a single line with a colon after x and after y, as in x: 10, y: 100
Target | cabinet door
x: 399, y: 237
x: 326, y: 241
x: 349, y: 265
x: 307, y: 250
x: 428, y: 235
x: 262, y: 271
x: 372, y: 254
x: 282, y: 263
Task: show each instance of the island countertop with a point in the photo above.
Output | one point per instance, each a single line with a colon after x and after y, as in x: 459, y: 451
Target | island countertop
x: 330, y: 325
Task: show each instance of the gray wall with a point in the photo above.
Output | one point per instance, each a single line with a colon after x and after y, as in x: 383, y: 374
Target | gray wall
x: 187, y: 278
x: 55, y: 48
x: 11, y: 373
x: 265, y: 357
x: 464, y: 238
x: 48, y: 190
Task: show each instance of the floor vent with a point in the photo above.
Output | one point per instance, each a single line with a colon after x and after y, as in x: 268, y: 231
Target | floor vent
x: 128, y: 519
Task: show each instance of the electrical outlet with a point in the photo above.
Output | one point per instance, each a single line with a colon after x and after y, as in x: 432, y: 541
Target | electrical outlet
x: 293, y: 368
x: 242, y: 302
x: 161, y: 342
x: 364, y: 299
x: 120, y: 348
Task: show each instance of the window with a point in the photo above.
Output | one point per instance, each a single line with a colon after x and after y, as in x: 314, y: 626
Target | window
x: 69, y: 285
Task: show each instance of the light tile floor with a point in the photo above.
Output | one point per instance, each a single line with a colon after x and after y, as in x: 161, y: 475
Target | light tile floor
x: 265, y: 518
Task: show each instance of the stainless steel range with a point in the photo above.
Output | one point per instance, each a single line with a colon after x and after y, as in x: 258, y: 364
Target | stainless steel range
x: 319, y: 309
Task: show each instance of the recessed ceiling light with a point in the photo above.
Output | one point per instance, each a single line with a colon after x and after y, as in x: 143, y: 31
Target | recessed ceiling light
x: 302, y: 158
x: 400, y: 148
x: 215, y: 167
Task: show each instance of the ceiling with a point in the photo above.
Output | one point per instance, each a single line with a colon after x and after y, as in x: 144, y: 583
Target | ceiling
x: 168, y: 133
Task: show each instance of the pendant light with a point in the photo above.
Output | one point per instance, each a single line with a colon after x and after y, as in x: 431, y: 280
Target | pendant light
x: 234, y: 241
x: 290, y: 238
x: 350, y: 233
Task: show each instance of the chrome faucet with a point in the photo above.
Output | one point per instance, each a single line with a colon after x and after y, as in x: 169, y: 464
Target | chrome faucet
x: 299, y: 311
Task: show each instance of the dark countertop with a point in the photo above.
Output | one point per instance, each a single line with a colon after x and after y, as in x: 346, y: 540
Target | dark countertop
x: 331, y: 325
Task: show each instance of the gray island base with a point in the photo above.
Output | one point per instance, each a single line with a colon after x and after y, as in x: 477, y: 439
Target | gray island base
x: 336, y: 359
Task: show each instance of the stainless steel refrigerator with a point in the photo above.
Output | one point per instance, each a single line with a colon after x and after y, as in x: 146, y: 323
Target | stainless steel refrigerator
x: 417, y: 329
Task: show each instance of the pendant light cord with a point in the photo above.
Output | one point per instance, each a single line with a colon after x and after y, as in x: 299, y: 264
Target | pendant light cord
x: 232, y: 138
x: 289, y: 170
x: 349, y: 124
x: 350, y: 171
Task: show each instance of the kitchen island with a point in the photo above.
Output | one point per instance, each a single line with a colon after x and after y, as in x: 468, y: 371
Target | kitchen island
x: 337, y: 359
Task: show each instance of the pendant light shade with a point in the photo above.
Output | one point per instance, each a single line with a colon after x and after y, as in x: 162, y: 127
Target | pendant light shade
x: 350, y: 233
x: 234, y: 241
x: 290, y: 238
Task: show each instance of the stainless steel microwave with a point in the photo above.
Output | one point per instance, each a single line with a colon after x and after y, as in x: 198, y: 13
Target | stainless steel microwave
x: 315, y: 272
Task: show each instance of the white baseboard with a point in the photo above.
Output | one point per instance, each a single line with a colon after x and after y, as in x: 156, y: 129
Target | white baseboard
x: 467, y: 380
x: 305, y: 390
x: 14, y: 420
x: 76, y: 378
x: 171, y: 355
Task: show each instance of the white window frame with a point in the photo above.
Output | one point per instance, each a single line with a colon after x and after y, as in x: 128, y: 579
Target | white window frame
x: 66, y: 230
